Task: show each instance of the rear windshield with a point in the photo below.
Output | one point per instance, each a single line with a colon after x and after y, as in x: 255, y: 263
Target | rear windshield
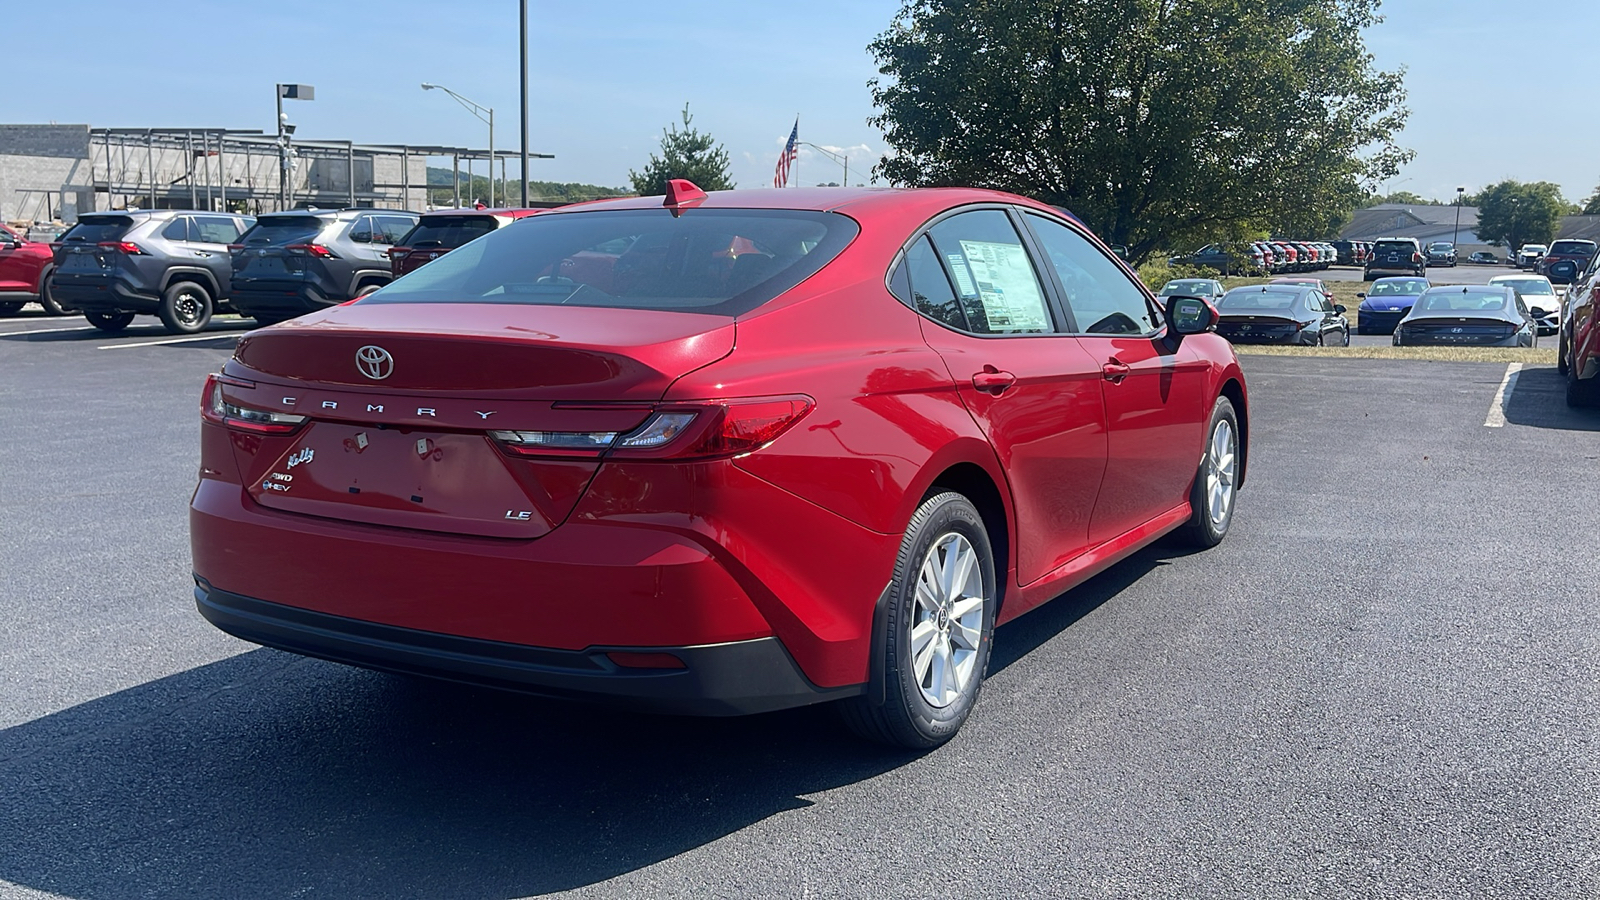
x: 1526, y: 286
x: 94, y: 229
x: 717, y: 261
x: 1172, y: 288
x: 447, y: 231
x: 280, y: 230
x: 1252, y: 299
x: 1533, y: 248
x: 1393, y: 246
x: 1397, y: 288
x: 1462, y: 301
x: 1443, y: 245
x: 1572, y: 248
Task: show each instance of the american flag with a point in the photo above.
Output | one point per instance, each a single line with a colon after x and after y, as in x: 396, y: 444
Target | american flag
x: 790, y: 151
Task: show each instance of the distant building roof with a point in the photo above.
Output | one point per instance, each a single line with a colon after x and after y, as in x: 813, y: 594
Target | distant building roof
x: 1421, y: 222
x: 1582, y: 228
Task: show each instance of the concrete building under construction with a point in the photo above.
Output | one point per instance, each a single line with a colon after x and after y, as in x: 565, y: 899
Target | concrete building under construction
x: 54, y: 172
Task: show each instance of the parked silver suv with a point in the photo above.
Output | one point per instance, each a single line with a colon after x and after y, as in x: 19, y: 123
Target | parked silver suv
x: 171, y: 263
x: 292, y: 263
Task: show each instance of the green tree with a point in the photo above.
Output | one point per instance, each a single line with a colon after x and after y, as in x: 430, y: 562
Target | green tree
x: 1513, y: 213
x: 1158, y: 121
x: 1591, y: 204
x: 1407, y: 198
x: 684, y: 154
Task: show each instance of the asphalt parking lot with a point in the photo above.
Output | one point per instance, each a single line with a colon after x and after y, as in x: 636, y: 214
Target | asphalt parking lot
x: 1385, y: 683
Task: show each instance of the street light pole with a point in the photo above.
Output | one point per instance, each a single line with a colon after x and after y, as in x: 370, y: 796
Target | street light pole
x: 524, y: 34
x: 484, y: 114
x: 838, y: 158
x: 292, y: 92
x: 1455, y: 236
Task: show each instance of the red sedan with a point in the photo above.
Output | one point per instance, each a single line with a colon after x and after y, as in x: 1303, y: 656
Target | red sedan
x: 760, y: 449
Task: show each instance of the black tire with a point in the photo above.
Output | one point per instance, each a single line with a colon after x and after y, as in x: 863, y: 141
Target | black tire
x: 1582, y: 393
x: 11, y: 307
x: 186, y: 308
x: 367, y: 289
x: 109, y: 322
x: 1561, y: 354
x: 1346, y: 338
x: 906, y: 717
x: 47, y: 299
x: 1203, y: 530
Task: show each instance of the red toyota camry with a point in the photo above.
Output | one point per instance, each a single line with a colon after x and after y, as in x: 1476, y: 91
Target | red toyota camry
x: 722, y: 454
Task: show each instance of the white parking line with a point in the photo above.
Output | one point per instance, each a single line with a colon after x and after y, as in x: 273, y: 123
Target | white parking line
x: 182, y: 340
x: 1497, y: 409
x: 45, y: 331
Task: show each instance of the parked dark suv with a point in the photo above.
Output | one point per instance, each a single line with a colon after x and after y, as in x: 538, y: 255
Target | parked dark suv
x: 441, y: 231
x: 292, y: 263
x: 171, y: 263
x: 1580, y: 252
x: 1399, y: 256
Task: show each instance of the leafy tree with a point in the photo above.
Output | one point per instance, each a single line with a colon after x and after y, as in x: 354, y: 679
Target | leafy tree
x: 1408, y: 199
x: 1591, y: 204
x: 684, y: 154
x: 1513, y: 213
x: 1158, y: 121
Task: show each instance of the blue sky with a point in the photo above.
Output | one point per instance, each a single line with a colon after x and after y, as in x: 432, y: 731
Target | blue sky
x: 605, y: 78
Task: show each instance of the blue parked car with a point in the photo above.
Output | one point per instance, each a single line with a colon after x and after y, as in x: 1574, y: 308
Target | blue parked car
x: 1387, y: 303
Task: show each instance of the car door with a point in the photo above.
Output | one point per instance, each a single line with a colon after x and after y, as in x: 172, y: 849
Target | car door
x: 1155, y: 401
x: 1031, y: 388
x: 209, y: 237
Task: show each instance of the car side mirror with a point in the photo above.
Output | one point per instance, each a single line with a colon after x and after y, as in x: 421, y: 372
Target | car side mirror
x: 1563, y: 272
x: 1340, y: 308
x: 1189, y: 315
x: 1361, y: 296
x: 1539, y: 312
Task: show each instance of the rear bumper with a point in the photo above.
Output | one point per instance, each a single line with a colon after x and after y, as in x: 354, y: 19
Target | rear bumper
x: 729, y: 679
x: 102, y: 294
x: 1377, y: 322
x: 287, y: 298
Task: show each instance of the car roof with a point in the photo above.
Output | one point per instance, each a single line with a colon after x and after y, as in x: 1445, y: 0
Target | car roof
x: 852, y: 200
x: 351, y: 211
x: 514, y: 212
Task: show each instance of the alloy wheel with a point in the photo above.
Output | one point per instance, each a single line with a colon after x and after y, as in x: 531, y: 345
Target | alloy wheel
x: 187, y: 308
x: 1221, y: 464
x: 947, y: 628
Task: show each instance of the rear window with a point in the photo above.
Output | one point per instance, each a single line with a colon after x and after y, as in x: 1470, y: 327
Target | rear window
x: 280, y: 230
x: 94, y: 229
x: 716, y: 261
x: 1397, y: 288
x: 1462, y: 301
x: 1172, y: 288
x: 1572, y: 248
x: 1526, y: 286
x: 1396, y: 246
x: 1259, y: 299
x: 447, y: 231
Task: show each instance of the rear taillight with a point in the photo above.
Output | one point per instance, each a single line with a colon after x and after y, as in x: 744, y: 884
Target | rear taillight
x: 127, y: 247
x: 218, y: 411
x: 397, y: 253
x: 685, y: 431
x: 316, y: 250
x: 235, y: 248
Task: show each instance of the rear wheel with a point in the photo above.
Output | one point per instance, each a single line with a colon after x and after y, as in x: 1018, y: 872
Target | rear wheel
x: 936, y: 631
x: 47, y: 299
x: 111, y: 322
x: 186, y: 308
x: 1211, y: 497
x: 1561, y: 353
x: 367, y: 289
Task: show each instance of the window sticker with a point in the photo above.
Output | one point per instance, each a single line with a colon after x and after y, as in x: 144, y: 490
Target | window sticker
x: 958, y: 265
x: 1006, y: 285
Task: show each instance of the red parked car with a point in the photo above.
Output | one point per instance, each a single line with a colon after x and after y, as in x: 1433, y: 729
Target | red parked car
x: 24, y: 273
x: 437, y: 233
x: 762, y: 449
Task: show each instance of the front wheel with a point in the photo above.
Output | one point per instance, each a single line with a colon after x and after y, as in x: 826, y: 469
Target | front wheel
x: 1215, y: 484
x: 1561, y: 353
x: 109, y: 322
x: 936, y: 631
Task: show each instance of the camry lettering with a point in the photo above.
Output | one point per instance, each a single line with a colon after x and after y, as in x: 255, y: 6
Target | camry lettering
x: 330, y: 404
x: 289, y: 401
x: 425, y: 411
x: 372, y: 408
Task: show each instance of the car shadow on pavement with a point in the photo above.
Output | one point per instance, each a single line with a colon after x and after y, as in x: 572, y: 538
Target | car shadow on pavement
x: 1540, y: 400
x: 268, y: 775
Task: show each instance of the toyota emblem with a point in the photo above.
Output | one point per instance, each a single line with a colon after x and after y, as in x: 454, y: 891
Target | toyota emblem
x: 374, y: 362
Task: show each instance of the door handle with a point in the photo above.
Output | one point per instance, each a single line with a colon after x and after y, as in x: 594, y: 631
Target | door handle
x: 1114, y: 371
x: 992, y: 380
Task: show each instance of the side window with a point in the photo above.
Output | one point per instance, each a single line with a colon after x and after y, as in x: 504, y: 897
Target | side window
x: 362, y: 231
x: 995, y: 283
x: 1101, y: 296
x: 213, y: 230
x: 929, y: 288
x: 177, y: 229
x: 390, y: 229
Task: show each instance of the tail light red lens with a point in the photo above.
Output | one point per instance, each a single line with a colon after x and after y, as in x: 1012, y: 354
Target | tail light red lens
x: 316, y: 250
x: 688, y: 431
x: 235, y: 248
x: 216, y: 409
x: 127, y: 247
x: 397, y: 253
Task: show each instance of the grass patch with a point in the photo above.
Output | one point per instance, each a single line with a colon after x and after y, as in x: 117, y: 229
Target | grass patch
x: 1531, y: 356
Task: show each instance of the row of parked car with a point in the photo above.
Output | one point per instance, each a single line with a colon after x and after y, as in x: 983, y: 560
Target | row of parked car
x: 1275, y: 257
x: 185, y: 266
